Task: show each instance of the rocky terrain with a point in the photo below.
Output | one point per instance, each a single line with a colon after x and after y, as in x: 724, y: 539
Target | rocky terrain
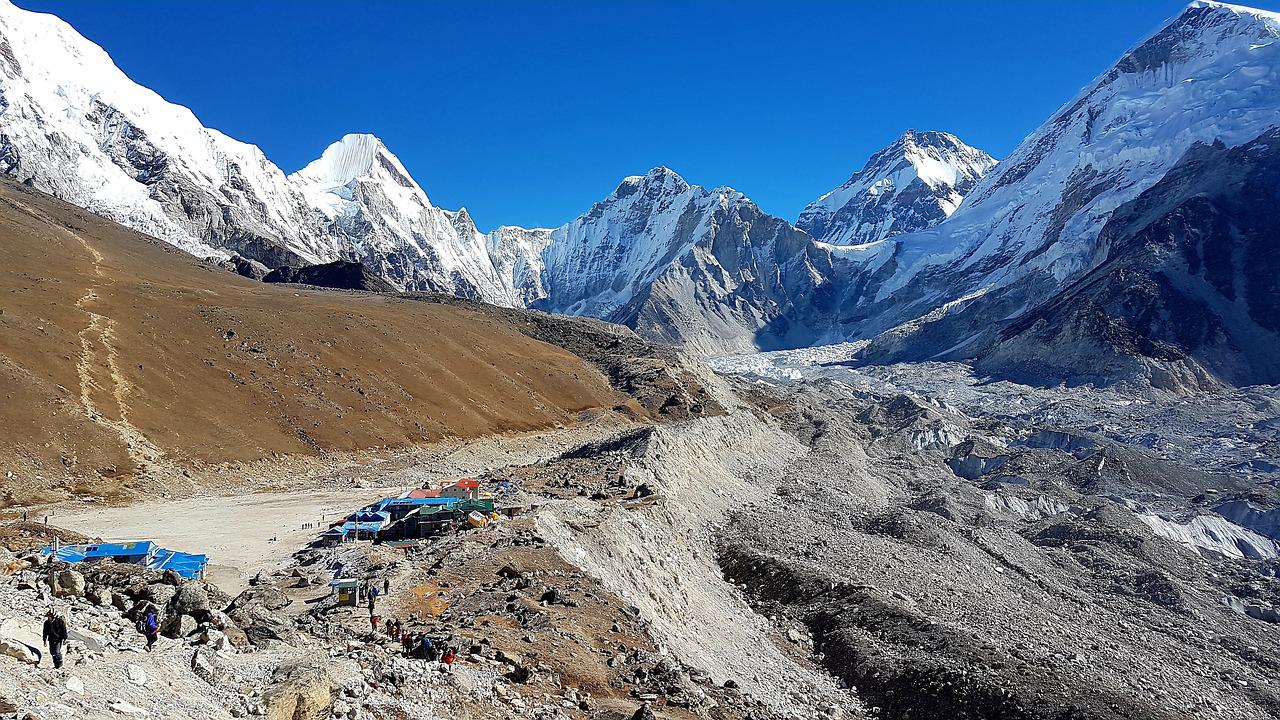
x: 1039, y: 479
x: 340, y: 275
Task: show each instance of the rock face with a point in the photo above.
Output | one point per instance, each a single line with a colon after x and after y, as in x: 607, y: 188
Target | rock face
x: 914, y: 184
x: 706, y: 269
x: 72, y: 124
x: 1035, y: 224
x: 1188, y: 295
x: 340, y: 274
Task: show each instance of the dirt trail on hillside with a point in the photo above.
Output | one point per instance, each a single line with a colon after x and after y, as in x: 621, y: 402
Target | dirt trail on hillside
x: 128, y: 368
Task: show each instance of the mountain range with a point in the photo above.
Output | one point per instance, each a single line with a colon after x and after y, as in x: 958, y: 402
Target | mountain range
x: 932, y: 250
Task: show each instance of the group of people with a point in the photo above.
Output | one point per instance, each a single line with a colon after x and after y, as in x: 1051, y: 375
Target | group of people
x: 418, y: 644
x: 55, y: 632
x: 422, y: 647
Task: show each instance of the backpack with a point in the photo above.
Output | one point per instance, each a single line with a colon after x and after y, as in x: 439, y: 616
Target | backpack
x: 141, y: 625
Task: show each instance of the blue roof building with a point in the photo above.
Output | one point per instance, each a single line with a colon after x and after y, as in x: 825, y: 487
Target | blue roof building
x: 144, y: 553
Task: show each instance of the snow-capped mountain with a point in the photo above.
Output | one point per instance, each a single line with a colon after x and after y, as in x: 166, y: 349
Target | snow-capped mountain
x: 374, y: 211
x: 705, y: 269
x: 73, y: 124
x: 930, y: 251
x: 517, y: 257
x: 1189, y: 293
x: 914, y: 184
x: 1032, y: 225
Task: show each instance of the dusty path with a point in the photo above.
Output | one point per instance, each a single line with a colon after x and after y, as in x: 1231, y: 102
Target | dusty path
x: 241, y: 534
x: 98, y: 354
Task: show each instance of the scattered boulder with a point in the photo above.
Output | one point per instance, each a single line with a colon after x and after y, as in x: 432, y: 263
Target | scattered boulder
x: 19, y: 651
x: 136, y: 674
x: 511, y: 571
x: 265, y: 596
x: 66, y: 582
x: 100, y: 596
x: 158, y: 594
x: 178, y: 626
x: 191, y: 599
x: 206, y: 665
x: 262, y: 629
x: 300, y: 690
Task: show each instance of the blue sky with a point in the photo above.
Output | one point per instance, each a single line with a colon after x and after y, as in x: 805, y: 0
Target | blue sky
x: 528, y: 112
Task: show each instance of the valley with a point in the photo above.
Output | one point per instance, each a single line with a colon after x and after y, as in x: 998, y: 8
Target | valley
x: 970, y: 439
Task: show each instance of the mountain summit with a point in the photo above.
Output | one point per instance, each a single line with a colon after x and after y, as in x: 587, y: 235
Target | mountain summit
x: 913, y: 184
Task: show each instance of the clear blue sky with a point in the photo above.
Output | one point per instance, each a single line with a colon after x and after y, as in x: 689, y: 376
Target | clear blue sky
x: 528, y: 112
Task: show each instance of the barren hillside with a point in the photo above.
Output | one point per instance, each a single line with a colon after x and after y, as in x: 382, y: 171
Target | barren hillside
x: 121, y: 357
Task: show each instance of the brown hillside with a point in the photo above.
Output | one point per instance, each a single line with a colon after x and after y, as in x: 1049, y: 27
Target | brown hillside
x: 119, y: 354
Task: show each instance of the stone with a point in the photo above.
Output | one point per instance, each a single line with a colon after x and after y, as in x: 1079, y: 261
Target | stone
x: 511, y: 572
x: 124, y: 708
x: 300, y: 690
x: 66, y: 583
x: 136, y: 674
x: 206, y: 665
x: 264, y: 596
x: 190, y: 599
x: 75, y: 685
x: 218, y: 619
x: 100, y: 596
x: 7, y: 703
x: 261, y: 627
x: 159, y: 594
x: 178, y: 626
x: 18, y: 651
x: 643, y: 713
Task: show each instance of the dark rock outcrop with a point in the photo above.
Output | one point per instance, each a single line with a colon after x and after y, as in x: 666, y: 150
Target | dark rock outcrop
x: 341, y: 275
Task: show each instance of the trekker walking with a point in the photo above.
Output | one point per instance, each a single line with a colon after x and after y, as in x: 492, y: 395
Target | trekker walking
x: 55, y: 634
x: 386, y: 585
x: 150, y: 627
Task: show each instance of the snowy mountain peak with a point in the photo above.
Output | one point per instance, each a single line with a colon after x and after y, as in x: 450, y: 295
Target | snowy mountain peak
x: 1210, y: 5
x: 355, y: 156
x: 660, y: 180
x: 914, y: 183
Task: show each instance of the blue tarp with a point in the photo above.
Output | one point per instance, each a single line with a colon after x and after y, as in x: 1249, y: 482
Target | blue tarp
x: 414, y: 502
x: 135, y: 552
x: 144, y: 553
x: 185, y: 564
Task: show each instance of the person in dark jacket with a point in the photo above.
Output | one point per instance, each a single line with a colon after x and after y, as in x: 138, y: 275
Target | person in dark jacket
x: 151, y: 628
x: 55, y: 635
